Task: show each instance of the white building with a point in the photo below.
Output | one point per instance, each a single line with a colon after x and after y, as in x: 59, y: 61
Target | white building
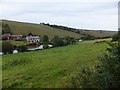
x: 33, y: 39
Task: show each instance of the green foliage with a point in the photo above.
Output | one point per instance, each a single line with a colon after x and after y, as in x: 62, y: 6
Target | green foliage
x: 7, y: 47
x: 22, y: 48
x: 99, y: 42
x: 6, y: 29
x: 69, y: 40
x: 30, y: 34
x: 116, y: 37
x: 63, y: 27
x: 57, y: 41
x: 105, y: 73
x: 109, y: 68
x: 88, y: 37
x: 85, y: 79
x: 45, y: 46
x: 45, y: 39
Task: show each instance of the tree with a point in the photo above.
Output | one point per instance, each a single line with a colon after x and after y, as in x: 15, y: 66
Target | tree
x: 57, y: 41
x: 30, y: 34
x: 22, y: 48
x: 45, y: 41
x: 115, y: 37
x: 88, y: 37
x: 67, y: 40
x: 6, y: 29
x: 72, y: 40
x: 7, y: 47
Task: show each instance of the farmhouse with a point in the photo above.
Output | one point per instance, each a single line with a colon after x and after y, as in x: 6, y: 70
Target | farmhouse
x: 16, y: 36
x: 11, y: 36
x: 32, y: 38
x: 6, y: 36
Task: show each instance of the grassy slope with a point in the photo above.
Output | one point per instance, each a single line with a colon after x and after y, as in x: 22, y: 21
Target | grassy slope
x: 51, y: 67
x: 37, y: 29
x: 98, y: 33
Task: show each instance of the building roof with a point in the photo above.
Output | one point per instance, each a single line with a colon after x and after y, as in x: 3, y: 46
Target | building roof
x: 6, y: 35
x: 31, y: 37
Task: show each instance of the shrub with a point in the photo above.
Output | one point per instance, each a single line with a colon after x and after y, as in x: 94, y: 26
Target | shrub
x: 57, y: 41
x: 67, y: 40
x: 105, y: 73
x: 99, y: 42
x: 88, y: 37
x: 45, y: 46
x: 7, y: 47
x: 115, y: 37
x: 22, y: 48
x: 6, y: 29
x: 45, y: 39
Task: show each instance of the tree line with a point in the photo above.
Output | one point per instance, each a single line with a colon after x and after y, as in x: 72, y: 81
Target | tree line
x: 62, y: 27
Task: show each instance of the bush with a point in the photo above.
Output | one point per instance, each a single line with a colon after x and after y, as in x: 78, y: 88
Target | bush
x: 57, y: 41
x: 105, y: 73
x: 45, y: 46
x: 99, y: 42
x: 22, y: 48
x: 108, y: 69
x: 7, y: 47
x: 6, y: 29
x: 45, y: 39
x: 115, y: 37
x: 67, y: 40
x: 88, y: 37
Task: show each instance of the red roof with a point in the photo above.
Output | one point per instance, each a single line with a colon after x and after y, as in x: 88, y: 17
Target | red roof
x: 6, y: 35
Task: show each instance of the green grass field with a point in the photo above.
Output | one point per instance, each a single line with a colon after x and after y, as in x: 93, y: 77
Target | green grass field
x: 19, y: 43
x: 50, y: 68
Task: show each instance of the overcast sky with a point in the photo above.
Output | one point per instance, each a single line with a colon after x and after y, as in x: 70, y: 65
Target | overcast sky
x: 83, y: 14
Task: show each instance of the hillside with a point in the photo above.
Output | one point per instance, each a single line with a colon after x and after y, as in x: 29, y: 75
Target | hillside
x: 37, y: 29
x: 97, y: 33
x: 51, y: 30
x: 51, y: 68
x: 85, y: 32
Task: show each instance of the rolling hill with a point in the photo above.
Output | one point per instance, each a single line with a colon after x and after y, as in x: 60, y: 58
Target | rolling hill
x: 51, y: 30
x: 97, y: 33
x: 37, y: 29
x: 85, y: 32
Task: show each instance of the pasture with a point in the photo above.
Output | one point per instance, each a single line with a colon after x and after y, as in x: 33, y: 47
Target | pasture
x: 50, y: 68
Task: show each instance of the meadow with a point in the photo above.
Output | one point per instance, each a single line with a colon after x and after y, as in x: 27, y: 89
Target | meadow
x: 50, y: 68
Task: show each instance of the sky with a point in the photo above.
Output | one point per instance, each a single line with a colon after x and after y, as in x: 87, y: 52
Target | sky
x: 80, y: 14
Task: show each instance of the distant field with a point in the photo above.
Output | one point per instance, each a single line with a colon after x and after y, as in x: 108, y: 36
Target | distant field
x: 51, y: 68
x: 37, y: 29
x: 98, y: 33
